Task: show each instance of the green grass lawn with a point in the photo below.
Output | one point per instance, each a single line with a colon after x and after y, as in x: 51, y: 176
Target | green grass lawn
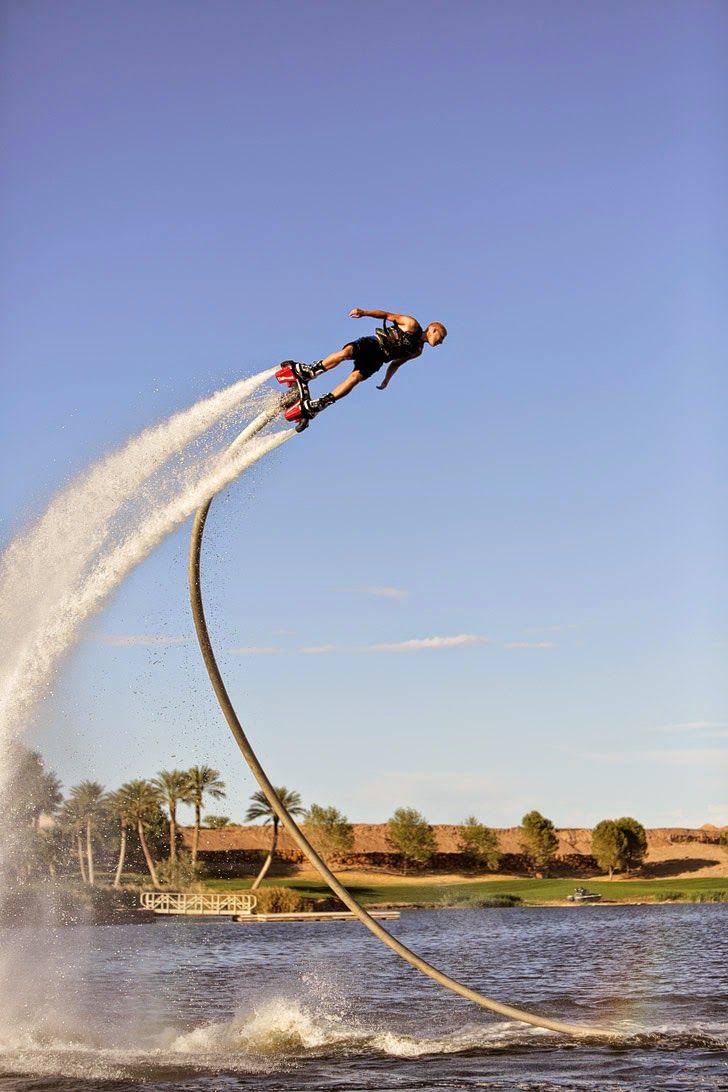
x: 387, y: 890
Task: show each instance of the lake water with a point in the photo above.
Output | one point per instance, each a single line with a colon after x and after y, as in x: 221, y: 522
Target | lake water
x: 198, y: 1005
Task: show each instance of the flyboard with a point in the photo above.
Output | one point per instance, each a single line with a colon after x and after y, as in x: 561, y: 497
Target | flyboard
x: 293, y: 401
x: 296, y: 403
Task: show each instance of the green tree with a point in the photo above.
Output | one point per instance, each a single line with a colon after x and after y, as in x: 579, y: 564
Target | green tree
x: 261, y: 809
x: 176, y: 788
x: 411, y: 835
x: 35, y: 791
x: 89, y: 801
x: 538, y: 841
x: 479, y: 844
x: 609, y: 846
x: 31, y: 792
x: 330, y: 832
x: 636, y: 837
x: 723, y: 840
x: 204, y: 781
x: 140, y: 802
x: 217, y: 822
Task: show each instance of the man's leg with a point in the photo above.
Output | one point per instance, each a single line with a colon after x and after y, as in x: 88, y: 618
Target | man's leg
x: 333, y: 359
x: 318, y: 404
x: 348, y: 385
x: 310, y: 371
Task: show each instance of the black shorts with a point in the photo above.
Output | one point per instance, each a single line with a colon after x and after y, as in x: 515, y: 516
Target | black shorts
x: 368, y: 355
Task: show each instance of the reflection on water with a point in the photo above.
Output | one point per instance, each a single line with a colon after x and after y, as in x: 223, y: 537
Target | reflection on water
x: 322, y: 1006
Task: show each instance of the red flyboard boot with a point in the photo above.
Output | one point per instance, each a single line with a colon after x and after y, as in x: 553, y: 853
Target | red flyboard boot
x: 285, y: 373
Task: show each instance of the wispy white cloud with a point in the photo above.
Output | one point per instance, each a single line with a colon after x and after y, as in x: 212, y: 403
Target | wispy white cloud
x: 139, y: 640
x: 256, y: 650
x: 387, y: 593
x: 317, y: 650
x: 530, y: 644
x: 699, y: 726
x: 417, y: 644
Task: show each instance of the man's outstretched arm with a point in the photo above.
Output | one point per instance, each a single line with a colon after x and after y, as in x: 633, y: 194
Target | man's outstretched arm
x: 393, y: 367
x: 405, y: 321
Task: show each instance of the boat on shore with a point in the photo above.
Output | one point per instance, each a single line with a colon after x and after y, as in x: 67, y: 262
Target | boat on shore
x: 581, y: 894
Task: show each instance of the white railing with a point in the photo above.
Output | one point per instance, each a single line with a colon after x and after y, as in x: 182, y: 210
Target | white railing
x: 213, y: 903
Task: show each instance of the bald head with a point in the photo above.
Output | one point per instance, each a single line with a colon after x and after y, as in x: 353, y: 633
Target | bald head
x: 435, y: 333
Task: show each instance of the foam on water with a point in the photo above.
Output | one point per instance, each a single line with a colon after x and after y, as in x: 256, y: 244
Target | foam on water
x: 282, y: 1031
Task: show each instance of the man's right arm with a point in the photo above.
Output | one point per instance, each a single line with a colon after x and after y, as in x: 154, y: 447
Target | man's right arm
x: 405, y: 321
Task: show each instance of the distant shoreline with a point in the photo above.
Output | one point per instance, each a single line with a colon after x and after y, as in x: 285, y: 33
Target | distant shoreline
x: 374, y: 890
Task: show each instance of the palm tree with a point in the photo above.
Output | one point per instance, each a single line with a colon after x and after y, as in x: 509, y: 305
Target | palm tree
x: 89, y: 798
x: 51, y: 796
x: 176, y: 788
x: 117, y: 806
x: 261, y: 809
x: 140, y: 802
x: 73, y: 822
x: 203, y: 781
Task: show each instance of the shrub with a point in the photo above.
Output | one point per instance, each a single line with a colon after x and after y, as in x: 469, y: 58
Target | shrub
x: 463, y: 901
x: 497, y: 900
x: 180, y: 873
x: 278, y: 900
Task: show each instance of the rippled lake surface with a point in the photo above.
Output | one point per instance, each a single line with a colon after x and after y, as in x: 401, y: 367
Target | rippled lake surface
x: 198, y: 1005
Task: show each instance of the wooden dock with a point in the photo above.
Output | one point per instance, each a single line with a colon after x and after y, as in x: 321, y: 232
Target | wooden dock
x: 316, y: 915
x: 240, y: 906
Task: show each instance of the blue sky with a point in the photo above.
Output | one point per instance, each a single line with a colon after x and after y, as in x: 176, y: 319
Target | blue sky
x: 192, y: 192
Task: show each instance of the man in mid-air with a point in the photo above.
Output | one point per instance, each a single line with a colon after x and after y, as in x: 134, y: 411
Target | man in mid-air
x: 393, y: 345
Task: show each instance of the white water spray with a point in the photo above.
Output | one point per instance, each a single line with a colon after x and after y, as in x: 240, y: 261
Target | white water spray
x: 60, y: 544
x: 57, y: 574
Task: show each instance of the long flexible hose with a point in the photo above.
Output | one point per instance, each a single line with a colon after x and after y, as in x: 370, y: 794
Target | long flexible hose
x: 297, y: 834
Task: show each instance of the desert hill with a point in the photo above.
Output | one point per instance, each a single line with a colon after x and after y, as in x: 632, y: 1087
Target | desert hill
x: 671, y: 851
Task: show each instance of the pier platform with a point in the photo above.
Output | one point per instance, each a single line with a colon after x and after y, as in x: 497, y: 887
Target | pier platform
x: 314, y: 915
x: 240, y: 906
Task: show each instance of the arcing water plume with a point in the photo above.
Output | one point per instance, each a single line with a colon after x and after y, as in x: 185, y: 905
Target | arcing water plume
x: 35, y: 669
x: 60, y: 543
x: 57, y: 574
